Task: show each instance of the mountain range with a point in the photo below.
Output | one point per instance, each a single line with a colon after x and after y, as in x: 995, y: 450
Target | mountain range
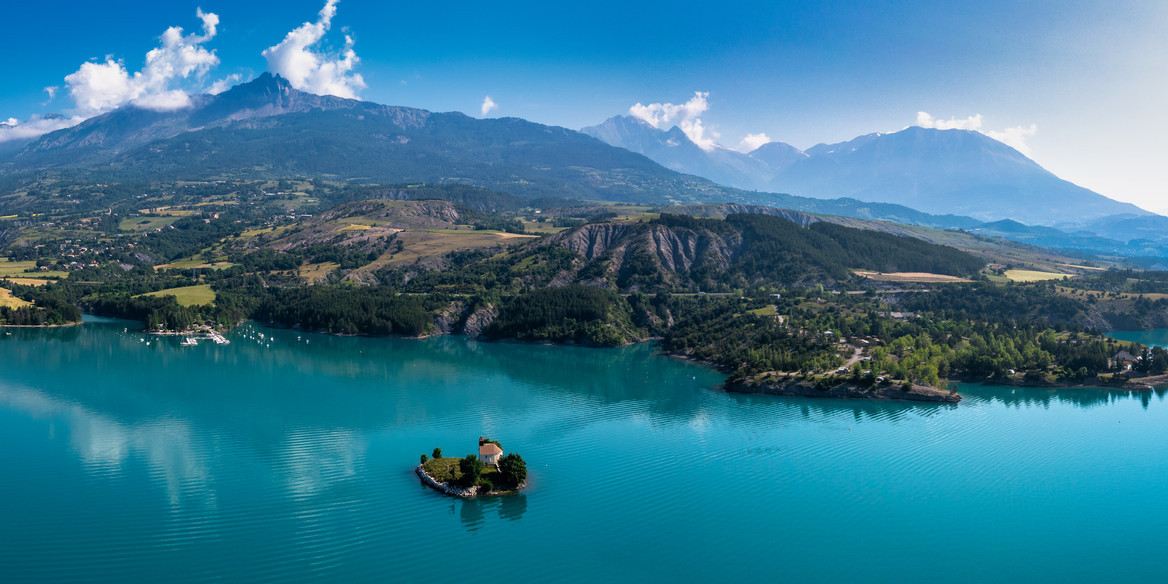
x: 265, y: 128
x: 956, y: 172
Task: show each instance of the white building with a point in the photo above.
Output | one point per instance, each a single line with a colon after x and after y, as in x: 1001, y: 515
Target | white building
x: 489, y: 452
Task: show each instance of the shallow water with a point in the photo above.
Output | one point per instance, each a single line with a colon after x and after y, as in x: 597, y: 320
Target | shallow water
x: 289, y: 458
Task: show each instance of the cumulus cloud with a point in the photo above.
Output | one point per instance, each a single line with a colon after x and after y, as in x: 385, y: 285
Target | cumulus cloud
x: 99, y: 87
x: 684, y: 116
x: 751, y: 142
x: 224, y: 84
x: 316, y: 71
x: 14, y: 129
x: 1013, y: 137
x: 925, y: 120
x: 489, y: 106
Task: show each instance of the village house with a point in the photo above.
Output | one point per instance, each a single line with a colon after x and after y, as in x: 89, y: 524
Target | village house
x: 1124, y: 360
x: 489, y: 452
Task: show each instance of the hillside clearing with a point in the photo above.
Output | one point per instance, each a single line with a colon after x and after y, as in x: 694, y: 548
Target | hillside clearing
x: 923, y: 277
x: 16, y: 270
x: 189, y: 295
x: 7, y: 299
x: 1033, y: 275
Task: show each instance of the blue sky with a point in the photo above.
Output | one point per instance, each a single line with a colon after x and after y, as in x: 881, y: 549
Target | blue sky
x: 1081, y: 83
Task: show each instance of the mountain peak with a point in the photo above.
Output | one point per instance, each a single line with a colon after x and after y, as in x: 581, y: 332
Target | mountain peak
x: 266, y: 84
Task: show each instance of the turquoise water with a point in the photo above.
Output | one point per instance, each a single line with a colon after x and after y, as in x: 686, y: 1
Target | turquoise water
x: 289, y: 458
x: 1158, y: 337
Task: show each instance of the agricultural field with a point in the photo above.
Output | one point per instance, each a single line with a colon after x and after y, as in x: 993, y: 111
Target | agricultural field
x: 537, y: 228
x: 144, y: 223
x: 16, y: 270
x: 910, y: 277
x: 7, y: 299
x: 189, y: 295
x: 1033, y: 276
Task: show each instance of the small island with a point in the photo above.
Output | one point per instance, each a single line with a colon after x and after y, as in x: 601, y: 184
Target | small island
x: 487, y: 473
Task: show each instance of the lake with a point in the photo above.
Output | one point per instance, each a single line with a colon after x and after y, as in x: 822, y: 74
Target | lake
x: 289, y: 457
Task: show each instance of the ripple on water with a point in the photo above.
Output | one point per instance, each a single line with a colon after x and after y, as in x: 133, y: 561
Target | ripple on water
x: 292, y: 462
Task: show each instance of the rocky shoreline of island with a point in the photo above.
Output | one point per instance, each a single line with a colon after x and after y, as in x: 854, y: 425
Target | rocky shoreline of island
x: 453, y: 490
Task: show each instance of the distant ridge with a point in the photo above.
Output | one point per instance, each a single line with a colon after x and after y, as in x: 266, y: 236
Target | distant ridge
x: 955, y: 172
x: 267, y: 128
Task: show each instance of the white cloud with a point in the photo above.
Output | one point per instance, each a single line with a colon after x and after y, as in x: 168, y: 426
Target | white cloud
x: 224, y: 84
x: 99, y: 87
x: 167, y: 101
x: 489, y: 106
x: 925, y: 120
x: 52, y: 91
x: 1013, y: 137
x: 311, y: 71
x: 14, y: 129
x: 751, y: 142
x: 684, y: 116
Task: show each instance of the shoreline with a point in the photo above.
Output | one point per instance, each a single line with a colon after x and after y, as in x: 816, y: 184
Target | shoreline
x: 67, y: 324
x: 848, y: 390
x: 456, y: 491
x: 844, y: 390
x: 1147, y: 382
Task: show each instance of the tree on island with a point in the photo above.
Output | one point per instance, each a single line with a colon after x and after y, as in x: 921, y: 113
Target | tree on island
x: 423, y: 459
x: 513, y: 469
x: 471, y: 468
x: 437, y: 453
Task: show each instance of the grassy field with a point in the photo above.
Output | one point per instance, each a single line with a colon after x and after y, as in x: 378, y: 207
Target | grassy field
x: 30, y: 281
x: 13, y: 270
x: 194, y: 263
x: 189, y: 295
x: 541, y: 228
x: 765, y: 311
x: 274, y: 231
x: 922, y: 277
x: 147, y: 223
x: 313, y: 273
x: 418, y: 244
x: 7, y: 299
x: 1033, y: 276
x: 446, y: 469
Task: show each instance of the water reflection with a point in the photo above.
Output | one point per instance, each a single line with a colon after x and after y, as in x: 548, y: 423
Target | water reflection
x: 307, y: 407
x: 105, y: 445
x: 1043, y: 397
x: 473, y: 512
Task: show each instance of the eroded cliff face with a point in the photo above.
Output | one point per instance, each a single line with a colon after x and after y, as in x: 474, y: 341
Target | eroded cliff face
x: 458, y: 318
x: 723, y: 210
x: 1103, y: 318
x: 399, y: 214
x: 622, y: 255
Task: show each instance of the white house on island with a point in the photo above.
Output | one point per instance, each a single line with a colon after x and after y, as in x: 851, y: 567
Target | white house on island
x: 489, y: 452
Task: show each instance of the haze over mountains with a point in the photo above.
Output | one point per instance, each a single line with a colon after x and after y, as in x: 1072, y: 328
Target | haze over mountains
x: 956, y: 172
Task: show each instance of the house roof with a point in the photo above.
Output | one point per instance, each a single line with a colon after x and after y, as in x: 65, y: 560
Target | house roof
x: 1124, y: 356
x: 489, y: 448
